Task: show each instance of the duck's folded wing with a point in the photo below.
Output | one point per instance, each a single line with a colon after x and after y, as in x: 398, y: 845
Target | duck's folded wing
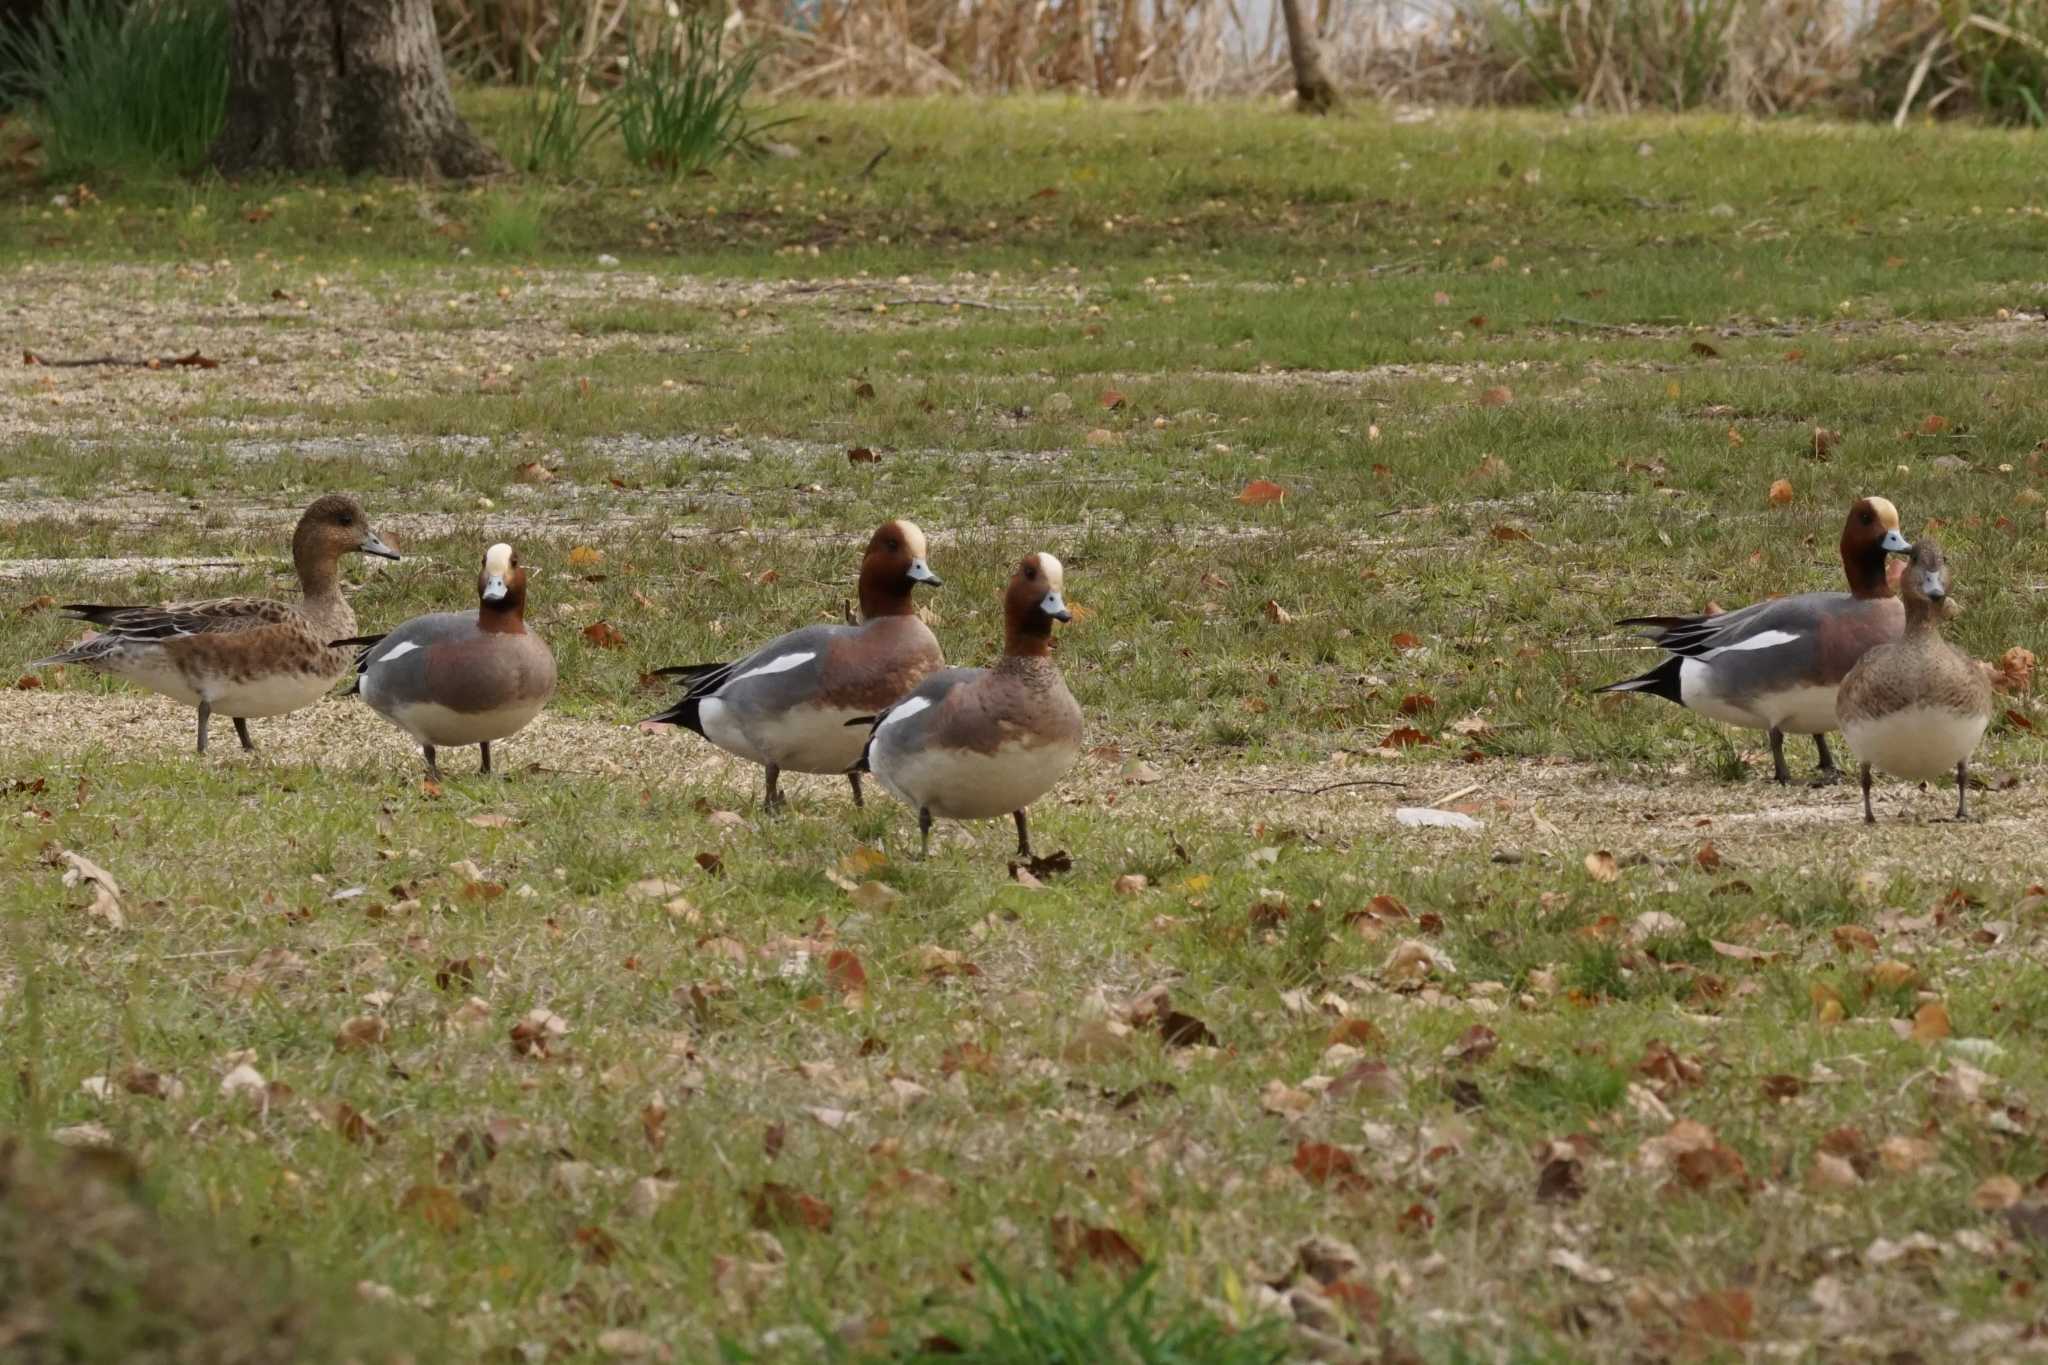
x: 220, y: 616
x: 1763, y: 626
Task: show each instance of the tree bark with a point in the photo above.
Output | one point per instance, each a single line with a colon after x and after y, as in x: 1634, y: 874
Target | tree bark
x: 350, y: 85
x: 1313, y: 92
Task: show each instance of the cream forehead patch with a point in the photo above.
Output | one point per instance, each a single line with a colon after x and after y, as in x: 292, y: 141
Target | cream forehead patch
x: 913, y: 539
x: 498, y: 560
x: 1887, y: 514
x: 1055, y: 574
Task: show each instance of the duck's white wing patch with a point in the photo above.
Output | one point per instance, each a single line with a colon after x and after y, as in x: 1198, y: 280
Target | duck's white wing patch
x: 397, y: 651
x: 781, y: 663
x: 1763, y: 639
x: 905, y: 711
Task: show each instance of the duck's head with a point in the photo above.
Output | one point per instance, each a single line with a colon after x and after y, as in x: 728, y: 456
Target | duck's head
x: 1035, y: 599
x: 502, y: 583
x: 893, y: 565
x: 333, y: 526
x: 1926, y: 577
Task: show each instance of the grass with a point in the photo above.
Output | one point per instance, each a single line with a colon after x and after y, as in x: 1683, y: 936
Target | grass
x: 128, y: 87
x: 999, y: 1148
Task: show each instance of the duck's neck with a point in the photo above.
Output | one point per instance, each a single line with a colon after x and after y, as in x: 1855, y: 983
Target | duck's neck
x: 884, y: 599
x: 1028, y: 639
x: 1864, y: 566
x: 506, y: 617
x: 1923, y: 618
x: 319, y: 577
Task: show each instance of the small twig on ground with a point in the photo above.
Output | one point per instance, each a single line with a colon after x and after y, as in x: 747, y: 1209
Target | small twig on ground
x: 1318, y: 791
x: 1442, y: 801
x: 956, y: 303
x: 873, y: 162
x: 193, y: 361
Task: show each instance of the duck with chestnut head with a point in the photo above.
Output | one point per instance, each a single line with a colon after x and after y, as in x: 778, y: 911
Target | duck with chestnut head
x: 456, y: 678
x: 1777, y: 665
x: 978, y: 743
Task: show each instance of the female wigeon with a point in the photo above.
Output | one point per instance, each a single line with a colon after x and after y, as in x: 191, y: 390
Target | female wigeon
x: 454, y: 678
x: 976, y: 743
x: 1775, y: 666
x: 245, y: 657
x: 788, y: 703
x: 1917, y: 707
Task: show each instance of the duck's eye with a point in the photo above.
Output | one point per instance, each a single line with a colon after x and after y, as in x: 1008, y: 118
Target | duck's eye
x: 1869, y: 517
x: 892, y: 544
x: 344, y: 519
x: 1030, y: 572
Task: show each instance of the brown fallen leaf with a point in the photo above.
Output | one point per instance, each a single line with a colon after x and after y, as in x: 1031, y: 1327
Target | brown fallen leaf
x: 1405, y: 641
x: 775, y: 1205
x: 584, y: 557
x: 533, y: 471
x: 1781, y: 492
x: 1278, y: 614
x: 1130, y: 884
x: 1509, y: 533
x: 80, y: 870
x: 1723, y: 1315
x: 844, y: 972
x: 1110, y: 399
x: 1996, y: 1193
x: 604, y: 635
x: 1403, y: 737
x: 1601, y: 866
x: 1322, y: 1163
x: 1499, y: 396
x: 1074, y: 1242
x: 1704, y: 351
x: 862, y: 455
x: 363, y: 1031
x: 1930, y: 1023
x: 1260, y: 492
x: 436, y: 1205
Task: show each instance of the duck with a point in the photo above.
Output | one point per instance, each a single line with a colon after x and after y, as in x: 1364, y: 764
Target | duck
x: 1775, y: 666
x: 980, y: 743
x: 456, y: 678
x: 1917, y: 708
x: 244, y: 657
x: 787, y: 705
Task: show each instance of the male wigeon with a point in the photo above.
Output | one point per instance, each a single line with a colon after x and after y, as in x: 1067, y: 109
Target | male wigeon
x: 456, y: 678
x: 245, y: 657
x: 787, y: 704
x: 1917, y: 707
x: 1775, y: 666
x: 976, y: 743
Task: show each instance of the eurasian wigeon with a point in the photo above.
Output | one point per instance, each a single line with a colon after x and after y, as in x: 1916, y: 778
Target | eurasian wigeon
x: 1917, y: 707
x: 245, y: 657
x: 1775, y: 666
x: 976, y: 743
x: 788, y: 704
x: 455, y: 677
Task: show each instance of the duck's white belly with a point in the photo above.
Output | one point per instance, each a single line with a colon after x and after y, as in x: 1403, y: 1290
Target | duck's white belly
x: 273, y: 695
x: 962, y: 785
x: 1919, y: 744
x: 1803, y: 710
x: 805, y: 739
x: 152, y: 669
x: 430, y: 723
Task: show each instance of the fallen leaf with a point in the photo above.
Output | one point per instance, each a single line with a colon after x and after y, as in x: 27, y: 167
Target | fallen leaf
x: 1287, y: 1101
x: 533, y: 471
x: 363, y: 1031
x: 1498, y: 396
x: 773, y: 1205
x: 1996, y: 1193
x: 1510, y: 533
x: 1278, y: 614
x: 1110, y: 399
x: 1184, y: 1030
x: 844, y: 972
x: 1724, y: 1315
x: 436, y: 1205
x: 862, y: 455
x: 1403, y: 737
x: 1404, y: 641
x: 1904, y: 1155
x: 1321, y: 1163
x: 1705, y: 351
x: 604, y: 635
x: 1601, y: 866
x: 1781, y: 492
x: 1130, y: 884
x: 1259, y: 492
x: 1930, y: 1022
x: 106, y: 892
x: 492, y: 820
x: 1074, y: 1242
x: 584, y: 557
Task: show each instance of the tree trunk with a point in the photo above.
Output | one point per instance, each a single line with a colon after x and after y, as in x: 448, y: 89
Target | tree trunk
x: 1313, y: 92
x: 349, y: 85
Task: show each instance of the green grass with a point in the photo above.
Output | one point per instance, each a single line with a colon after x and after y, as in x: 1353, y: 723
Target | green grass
x: 1262, y: 292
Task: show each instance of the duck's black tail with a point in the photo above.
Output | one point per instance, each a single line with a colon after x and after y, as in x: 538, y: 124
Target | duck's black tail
x: 699, y: 681
x: 872, y: 722
x: 362, y: 644
x: 1661, y: 681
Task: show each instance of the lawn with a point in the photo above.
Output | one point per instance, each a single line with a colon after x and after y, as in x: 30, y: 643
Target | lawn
x: 1355, y: 435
